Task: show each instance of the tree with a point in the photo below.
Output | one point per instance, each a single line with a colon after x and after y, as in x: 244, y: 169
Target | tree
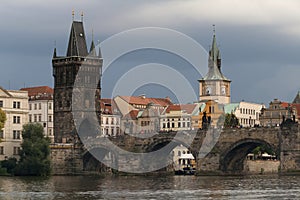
x: 2, y: 119
x: 231, y: 121
x: 35, y: 153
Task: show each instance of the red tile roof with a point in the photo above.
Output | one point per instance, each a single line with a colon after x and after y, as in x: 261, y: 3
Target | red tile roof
x: 294, y: 105
x: 189, y: 108
x: 39, y: 93
x: 108, y: 106
x: 34, y: 91
x: 132, y: 115
x: 140, y: 100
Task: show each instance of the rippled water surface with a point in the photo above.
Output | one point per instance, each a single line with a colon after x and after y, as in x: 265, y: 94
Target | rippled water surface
x: 151, y: 187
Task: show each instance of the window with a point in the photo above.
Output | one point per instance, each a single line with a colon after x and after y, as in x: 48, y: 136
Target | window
x: 50, y: 106
x: 16, y: 104
x: 241, y: 111
x: 16, y: 119
x: 30, y: 118
x: 16, y: 135
x: 50, y: 118
x: 112, y: 132
x: 35, y: 106
x: 40, y: 106
x: 1, y: 104
x: 16, y: 150
x: 35, y: 118
x: 179, y: 124
x: 50, y: 131
x: 30, y: 107
x: 40, y: 118
x: 1, y: 135
x: 1, y: 150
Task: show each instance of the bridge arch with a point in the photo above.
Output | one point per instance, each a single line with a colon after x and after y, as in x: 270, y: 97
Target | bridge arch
x: 232, y: 160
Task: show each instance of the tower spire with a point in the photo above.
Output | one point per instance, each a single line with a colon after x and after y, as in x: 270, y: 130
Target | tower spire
x: 54, y: 53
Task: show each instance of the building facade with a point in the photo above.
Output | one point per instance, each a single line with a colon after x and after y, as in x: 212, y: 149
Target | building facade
x: 41, y: 108
x: 110, y: 119
x: 15, y: 105
x: 247, y: 113
x: 85, y: 95
x: 214, y: 86
x: 178, y: 117
x: 277, y: 112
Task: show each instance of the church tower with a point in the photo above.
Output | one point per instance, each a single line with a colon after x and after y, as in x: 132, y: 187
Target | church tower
x: 214, y: 86
x: 65, y: 70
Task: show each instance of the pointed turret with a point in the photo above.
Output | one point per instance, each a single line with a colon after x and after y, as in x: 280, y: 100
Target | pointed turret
x: 77, y: 42
x: 297, y: 98
x: 54, y: 53
x: 93, y: 52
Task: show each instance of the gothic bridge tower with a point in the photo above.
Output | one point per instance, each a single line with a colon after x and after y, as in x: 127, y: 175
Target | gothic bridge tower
x: 65, y: 70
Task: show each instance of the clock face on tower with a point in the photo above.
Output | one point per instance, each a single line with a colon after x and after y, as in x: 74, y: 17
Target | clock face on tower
x: 208, y: 91
x: 223, y: 90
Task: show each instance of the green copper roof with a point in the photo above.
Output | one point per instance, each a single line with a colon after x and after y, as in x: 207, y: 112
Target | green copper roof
x: 230, y: 108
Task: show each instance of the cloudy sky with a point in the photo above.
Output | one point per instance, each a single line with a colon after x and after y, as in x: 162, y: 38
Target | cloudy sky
x: 259, y: 39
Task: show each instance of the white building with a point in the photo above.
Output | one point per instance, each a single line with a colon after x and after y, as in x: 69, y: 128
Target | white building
x: 15, y: 105
x: 178, y: 117
x: 110, y: 118
x: 182, y: 157
x: 246, y: 112
x: 41, y: 108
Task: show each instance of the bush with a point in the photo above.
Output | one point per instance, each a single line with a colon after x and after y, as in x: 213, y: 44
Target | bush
x: 35, y: 153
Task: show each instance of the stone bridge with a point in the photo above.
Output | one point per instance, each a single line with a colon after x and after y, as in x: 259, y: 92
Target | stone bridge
x: 216, y: 151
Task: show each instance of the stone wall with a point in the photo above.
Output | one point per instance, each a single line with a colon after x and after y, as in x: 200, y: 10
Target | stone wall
x: 261, y: 166
x: 290, y: 150
x: 66, y: 160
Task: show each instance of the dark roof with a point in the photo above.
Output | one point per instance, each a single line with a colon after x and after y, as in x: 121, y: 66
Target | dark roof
x: 77, y: 42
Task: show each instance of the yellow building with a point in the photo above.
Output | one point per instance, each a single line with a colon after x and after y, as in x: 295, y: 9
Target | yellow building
x: 213, y: 111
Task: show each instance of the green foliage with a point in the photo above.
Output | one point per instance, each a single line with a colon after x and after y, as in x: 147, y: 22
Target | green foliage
x: 231, y: 121
x: 34, y: 156
x: 263, y: 149
x: 2, y: 119
x: 9, y: 164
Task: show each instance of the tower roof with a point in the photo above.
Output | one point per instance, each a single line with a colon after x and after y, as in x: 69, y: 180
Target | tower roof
x: 77, y: 42
x: 297, y: 98
x: 214, y: 63
x: 93, y: 49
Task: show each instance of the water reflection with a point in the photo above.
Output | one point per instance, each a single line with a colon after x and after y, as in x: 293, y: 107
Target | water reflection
x: 150, y: 187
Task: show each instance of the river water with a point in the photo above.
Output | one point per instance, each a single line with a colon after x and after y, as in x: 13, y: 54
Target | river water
x: 151, y: 187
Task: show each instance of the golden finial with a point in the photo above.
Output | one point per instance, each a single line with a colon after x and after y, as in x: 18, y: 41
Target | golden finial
x: 82, y: 16
x: 73, y: 13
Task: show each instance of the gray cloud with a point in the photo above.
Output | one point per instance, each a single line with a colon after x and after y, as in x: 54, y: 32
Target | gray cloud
x: 259, y: 40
